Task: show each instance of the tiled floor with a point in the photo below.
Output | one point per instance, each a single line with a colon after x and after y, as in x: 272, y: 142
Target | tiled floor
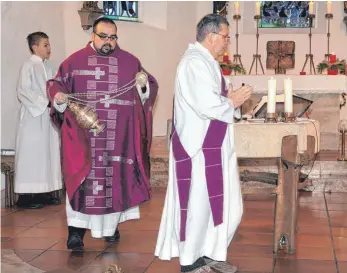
x: 38, y: 237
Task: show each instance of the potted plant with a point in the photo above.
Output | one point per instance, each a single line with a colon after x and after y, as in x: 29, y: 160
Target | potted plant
x: 229, y: 67
x: 332, y: 68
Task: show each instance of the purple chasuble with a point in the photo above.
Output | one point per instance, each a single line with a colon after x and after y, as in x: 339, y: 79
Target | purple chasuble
x: 212, y: 150
x: 118, y: 176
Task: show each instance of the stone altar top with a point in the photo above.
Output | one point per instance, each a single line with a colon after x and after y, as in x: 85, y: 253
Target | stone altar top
x: 256, y: 139
x: 302, y: 84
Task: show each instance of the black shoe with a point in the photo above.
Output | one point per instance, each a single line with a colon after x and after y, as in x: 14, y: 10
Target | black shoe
x: 48, y: 199
x: 114, y: 238
x: 28, y: 201
x: 75, y: 239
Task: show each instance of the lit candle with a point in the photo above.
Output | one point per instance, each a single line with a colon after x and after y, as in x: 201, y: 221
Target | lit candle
x: 237, y: 8
x: 332, y: 57
x: 271, y: 95
x: 257, y: 8
x: 311, y: 8
x: 329, y: 7
x: 288, y: 95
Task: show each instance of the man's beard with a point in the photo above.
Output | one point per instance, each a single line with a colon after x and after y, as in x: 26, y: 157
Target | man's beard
x: 105, y: 50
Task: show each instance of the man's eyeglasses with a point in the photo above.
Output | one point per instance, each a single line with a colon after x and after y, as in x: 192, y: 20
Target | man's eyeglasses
x: 105, y: 37
x: 226, y: 37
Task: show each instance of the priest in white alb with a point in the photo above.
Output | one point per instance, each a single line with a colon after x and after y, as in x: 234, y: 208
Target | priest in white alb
x: 203, y: 205
x: 37, y: 159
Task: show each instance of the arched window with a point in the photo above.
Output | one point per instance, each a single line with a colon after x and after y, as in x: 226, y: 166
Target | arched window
x: 121, y: 10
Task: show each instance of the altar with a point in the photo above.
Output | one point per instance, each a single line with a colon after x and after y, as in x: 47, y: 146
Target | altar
x: 326, y: 92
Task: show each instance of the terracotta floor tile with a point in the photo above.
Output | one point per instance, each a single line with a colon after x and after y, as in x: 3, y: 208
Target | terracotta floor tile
x: 317, y: 230
x: 129, y: 262
x: 310, y: 253
x: 339, y: 231
x: 53, y: 223
x: 98, y: 269
x: 251, y: 264
x: 29, y: 243
x: 160, y: 266
x: 90, y: 244
x: 26, y: 255
x: 249, y: 225
x: 238, y: 250
x: 342, y: 266
x: 338, y: 218
x: 11, y: 231
x: 142, y: 241
x: 304, y: 266
x: 7, y: 211
x: 14, y: 220
x: 49, y: 232
x: 51, y: 260
x: 312, y: 218
x: 313, y: 241
x: 340, y: 242
x: 261, y: 197
x: 141, y: 224
x: 316, y: 205
x: 341, y: 253
x: 253, y: 238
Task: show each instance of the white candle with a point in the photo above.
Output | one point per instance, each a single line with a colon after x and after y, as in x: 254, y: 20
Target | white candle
x: 237, y: 8
x: 329, y: 7
x: 288, y: 95
x: 311, y: 8
x: 271, y: 95
x: 257, y: 8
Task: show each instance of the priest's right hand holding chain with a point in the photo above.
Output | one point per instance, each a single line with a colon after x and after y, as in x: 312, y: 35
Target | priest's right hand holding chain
x: 61, y: 98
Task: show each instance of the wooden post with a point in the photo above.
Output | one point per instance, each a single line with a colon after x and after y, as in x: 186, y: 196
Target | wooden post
x: 286, y: 212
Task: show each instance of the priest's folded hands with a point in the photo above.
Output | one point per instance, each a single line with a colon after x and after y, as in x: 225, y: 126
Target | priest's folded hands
x: 239, y: 96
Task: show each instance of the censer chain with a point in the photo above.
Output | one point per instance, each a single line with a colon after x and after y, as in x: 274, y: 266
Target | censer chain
x: 100, y: 100
x: 124, y: 87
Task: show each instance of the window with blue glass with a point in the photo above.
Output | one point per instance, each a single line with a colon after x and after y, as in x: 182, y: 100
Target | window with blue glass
x: 284, y: 14
x: 121, y: 10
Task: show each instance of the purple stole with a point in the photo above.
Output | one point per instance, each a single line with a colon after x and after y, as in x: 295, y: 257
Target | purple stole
x: 212, y: 150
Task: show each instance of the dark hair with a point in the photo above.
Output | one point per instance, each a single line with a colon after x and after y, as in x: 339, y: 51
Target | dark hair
x: 34, y: 39
x: 209, y: 24
x: 103, y: 20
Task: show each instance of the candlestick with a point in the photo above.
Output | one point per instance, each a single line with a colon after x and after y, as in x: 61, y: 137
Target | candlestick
x: 237, y: 8
x: 311, y: 8
x: 288, y: 95
x: 257, y: 9
x: 310, y: 55
x: 237, y: 56
x: 329, y: 7
x: 256, y: 56
x: 271, y: 96
x: 332, y: 57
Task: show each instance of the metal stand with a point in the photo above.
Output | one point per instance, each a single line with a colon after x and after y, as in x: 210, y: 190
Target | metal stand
x: 328, y: 16
x: 310, y: 55
x: 256, y: 56
x: 270, y: 118
x: 237, y: 56
x: 342, y: 157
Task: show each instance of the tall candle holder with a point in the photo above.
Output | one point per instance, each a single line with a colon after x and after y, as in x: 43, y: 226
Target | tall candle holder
x: 271, y: 118
x: 237, y: 56
x: 289, y: 117
x: 310, y: 55
x: 256, y: 56
x: 328, y: 16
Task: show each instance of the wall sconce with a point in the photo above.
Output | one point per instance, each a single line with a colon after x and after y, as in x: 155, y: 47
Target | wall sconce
x: 89, y: 13
x: 342, y: 129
